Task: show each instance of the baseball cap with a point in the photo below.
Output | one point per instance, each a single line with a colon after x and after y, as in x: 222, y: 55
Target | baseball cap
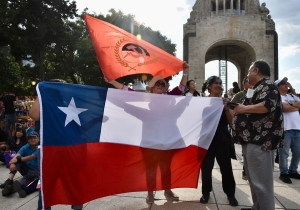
x: 33, y: 133
x: 284, y: 79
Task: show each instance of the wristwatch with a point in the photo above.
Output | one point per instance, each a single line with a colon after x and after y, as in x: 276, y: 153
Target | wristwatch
x: 291, y: 103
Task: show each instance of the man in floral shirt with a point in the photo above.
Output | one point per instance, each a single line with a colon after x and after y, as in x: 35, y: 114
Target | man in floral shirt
x: 258, y: 126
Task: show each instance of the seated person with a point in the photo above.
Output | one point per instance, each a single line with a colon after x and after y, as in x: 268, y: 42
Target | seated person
x: 14, y: 143
x: 25, y: 161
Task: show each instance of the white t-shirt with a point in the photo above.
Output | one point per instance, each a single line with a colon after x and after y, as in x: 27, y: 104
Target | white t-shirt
x: 291, y: 119
x: 189, y: 94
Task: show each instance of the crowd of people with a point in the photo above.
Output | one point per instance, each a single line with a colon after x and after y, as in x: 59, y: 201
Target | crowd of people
x: 18, y: 149
x: 263, y: 118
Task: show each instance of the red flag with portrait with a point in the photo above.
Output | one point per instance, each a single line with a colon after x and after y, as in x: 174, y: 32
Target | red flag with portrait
x: 120, y: 53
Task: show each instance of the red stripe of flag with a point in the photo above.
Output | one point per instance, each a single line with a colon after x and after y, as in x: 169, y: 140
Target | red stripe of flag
x: 78, y: 174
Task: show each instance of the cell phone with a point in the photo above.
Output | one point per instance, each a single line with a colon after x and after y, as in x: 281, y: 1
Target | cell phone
x: 231, y: 105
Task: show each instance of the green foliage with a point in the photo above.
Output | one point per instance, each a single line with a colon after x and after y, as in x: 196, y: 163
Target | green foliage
x: 30, y: 26
x: 10, y: 70
x: 55, y: 45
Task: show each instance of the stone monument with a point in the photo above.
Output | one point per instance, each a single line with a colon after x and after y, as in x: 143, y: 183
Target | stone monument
x: 239, y: 31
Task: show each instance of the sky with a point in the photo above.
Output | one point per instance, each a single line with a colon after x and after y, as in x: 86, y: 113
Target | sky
x: 168, y: 17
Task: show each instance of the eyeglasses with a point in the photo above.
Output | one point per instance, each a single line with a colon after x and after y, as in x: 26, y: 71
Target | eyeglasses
x: 158, y: 84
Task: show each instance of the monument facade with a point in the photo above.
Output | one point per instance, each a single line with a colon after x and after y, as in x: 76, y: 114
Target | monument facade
x: 239, y: 31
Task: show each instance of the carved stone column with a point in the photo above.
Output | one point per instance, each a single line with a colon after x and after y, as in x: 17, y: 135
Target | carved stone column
x: 217, y: 7
x: 239, y: 6
x: 224, y: 6
x: 231, y: 6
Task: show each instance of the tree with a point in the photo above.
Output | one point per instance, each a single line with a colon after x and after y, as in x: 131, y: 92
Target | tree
x: 10, y: 70
x: 30, y: 26
x: 45, y: 33
x: 73, y: 56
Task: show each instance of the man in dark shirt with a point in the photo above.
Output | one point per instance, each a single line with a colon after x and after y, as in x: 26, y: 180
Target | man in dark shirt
x: 258, y: 126
x: 9, y: 102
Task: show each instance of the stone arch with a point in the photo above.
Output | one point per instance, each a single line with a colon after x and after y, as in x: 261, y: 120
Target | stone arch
x: 239, y: 52
x: 243, y: 28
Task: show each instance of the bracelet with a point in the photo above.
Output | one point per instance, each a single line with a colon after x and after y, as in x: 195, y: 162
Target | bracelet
x: 186, y: 74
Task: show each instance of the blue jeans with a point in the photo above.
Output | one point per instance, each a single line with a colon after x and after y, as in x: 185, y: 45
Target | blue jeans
x: 291, y: 140
x: 10, y: 120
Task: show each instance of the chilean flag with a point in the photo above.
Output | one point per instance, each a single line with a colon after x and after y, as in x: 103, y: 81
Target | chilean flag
x: 97, y: 141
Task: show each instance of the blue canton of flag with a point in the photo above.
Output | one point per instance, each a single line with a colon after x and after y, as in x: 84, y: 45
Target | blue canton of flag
x: 72, y: 114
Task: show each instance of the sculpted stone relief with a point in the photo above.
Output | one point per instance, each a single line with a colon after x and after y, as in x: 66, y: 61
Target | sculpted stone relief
x: 270, y: 23
x: 264, y: 11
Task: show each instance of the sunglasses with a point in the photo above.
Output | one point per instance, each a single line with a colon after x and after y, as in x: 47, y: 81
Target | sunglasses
x: 158, y: 84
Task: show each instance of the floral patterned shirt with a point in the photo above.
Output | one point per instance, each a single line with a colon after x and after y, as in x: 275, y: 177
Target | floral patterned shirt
x: 261, y: 129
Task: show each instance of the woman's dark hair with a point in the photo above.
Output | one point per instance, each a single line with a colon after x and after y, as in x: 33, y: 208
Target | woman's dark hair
x: 208, y: 82
x: 188, y: 83
x: 23, y: 139
x: 196, y: 93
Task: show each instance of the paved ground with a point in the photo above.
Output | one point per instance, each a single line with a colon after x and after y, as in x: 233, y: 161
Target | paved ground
x: 287, y: 196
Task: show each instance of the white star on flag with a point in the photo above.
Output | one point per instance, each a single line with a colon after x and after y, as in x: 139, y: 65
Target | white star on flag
x: 72, y: 112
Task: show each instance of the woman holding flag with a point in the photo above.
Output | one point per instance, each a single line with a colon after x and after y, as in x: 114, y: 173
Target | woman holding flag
x: 219, y: 148
x: 158, y: 86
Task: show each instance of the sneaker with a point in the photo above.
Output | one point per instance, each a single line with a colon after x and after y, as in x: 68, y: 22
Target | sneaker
x: 204, y: 198
x: 232, y: 201
x: 8, y: 189
x: 18, y: 188
x: 285, y: 178
x: 7, y: 182
x: 171, y: 196
x: 294, y: 175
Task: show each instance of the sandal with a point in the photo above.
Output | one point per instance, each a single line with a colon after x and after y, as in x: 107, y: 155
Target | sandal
x: 171, y: 196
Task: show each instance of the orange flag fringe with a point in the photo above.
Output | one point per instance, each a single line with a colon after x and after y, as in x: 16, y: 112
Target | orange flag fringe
x: 120, y: 53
